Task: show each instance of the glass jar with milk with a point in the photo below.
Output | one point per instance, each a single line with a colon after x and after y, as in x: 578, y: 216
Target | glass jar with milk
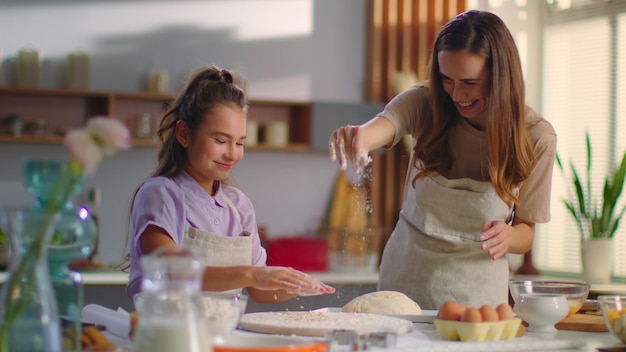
x: 169, y: 319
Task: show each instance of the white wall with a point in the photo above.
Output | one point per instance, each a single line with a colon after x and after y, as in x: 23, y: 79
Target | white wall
x: 287, y: 49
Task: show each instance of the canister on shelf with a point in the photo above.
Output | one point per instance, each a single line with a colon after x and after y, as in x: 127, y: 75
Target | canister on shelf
x: 143, y: 125
x: 158, y: 81
x: 252, y: 133
x: 277, y: 133
x: 78, y: 70
x: 15, y: 124
x: 28, y: 68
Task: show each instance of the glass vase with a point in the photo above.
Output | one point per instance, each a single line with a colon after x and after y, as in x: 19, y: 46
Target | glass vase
x: 29, y: 320
x: 74, y: 237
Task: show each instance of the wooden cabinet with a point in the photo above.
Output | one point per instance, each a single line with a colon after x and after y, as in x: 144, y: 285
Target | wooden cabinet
x: 61, y: 109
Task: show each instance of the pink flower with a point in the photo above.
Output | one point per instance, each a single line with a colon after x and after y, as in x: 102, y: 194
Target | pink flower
x: 82, y: 148
x: 103, y: 136
x: 110, y: 134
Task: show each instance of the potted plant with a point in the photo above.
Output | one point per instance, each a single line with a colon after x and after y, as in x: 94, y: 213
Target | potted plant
x: 597, y: 219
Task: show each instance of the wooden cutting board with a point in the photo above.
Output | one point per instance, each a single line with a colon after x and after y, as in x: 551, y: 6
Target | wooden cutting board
x: 315, y: 323
x: 583, y: 322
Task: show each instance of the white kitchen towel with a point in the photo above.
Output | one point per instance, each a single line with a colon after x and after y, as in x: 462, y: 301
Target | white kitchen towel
x: 116, y: 322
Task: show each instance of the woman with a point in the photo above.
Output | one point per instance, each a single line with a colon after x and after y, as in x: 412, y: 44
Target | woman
x: 188, y: 203
x: 480, y: 171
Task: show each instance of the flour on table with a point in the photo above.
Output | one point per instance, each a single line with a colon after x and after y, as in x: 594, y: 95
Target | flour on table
x: 315, y: 323
x: 383, y: 302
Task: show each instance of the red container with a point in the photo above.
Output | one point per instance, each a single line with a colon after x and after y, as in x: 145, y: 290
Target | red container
x: 301, y: 253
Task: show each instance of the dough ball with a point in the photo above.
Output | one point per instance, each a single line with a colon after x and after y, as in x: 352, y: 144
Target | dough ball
x: 383, y: 302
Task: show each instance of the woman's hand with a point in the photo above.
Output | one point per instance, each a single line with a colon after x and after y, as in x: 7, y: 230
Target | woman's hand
x: 348, y: 144
x: 500, y: 238
x: 496, y: 238
x: 288, y: 279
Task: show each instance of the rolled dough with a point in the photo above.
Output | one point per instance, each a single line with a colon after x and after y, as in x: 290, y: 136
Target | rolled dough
x: 383, y: 302
x: 315, y: 323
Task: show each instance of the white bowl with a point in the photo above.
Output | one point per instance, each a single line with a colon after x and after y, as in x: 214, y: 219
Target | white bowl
x: 221, y: 311
x: 541, y: 310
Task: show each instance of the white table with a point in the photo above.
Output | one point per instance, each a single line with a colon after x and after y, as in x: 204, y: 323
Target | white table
x: 425, y: 338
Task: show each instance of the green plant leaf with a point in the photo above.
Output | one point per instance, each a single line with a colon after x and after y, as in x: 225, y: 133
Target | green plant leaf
x: 584, y: 208
x: 588, y: 140
x: 580, y: 195
x: 572, y: 211
x: 3, y: 237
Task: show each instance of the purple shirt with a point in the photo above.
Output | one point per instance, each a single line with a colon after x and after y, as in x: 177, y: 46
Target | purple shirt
x: 177, y: 203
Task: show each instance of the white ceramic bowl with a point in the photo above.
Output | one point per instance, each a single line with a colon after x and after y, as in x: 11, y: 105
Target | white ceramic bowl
x: 221, y: 311
x: 541, y: 310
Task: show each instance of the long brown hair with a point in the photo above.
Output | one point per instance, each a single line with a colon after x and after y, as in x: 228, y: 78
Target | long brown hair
x: 509, y: 146
x: 208, y: 88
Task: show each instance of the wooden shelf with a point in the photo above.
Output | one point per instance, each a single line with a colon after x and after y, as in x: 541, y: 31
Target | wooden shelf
x: 63, y: 109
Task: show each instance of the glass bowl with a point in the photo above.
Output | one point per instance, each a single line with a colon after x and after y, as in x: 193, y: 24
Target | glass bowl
x: 576, y: 292
x: 614, y: 312
x: 221, y: 311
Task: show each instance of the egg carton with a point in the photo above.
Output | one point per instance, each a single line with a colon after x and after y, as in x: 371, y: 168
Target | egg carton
x: 478, y: 332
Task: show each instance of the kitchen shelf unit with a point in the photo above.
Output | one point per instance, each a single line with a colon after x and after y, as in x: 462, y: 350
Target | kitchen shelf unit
x: 63, y: 109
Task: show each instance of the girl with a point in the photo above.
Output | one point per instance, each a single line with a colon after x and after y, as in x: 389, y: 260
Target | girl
x: 188, y: 202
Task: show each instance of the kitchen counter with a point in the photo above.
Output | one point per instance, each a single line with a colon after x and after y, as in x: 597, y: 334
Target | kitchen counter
x: 425, y: 338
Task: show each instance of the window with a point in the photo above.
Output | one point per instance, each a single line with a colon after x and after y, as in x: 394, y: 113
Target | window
x: 583, y: 89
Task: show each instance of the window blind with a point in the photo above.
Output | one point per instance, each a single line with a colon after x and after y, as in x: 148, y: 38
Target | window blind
x: 581, y: 92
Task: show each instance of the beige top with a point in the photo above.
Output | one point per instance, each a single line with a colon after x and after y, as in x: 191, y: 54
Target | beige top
x: 469, y: 148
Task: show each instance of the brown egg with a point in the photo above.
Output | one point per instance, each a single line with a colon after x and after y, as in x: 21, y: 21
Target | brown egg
x: 450, y: 310
x: 488, y: 313
x: 505, y: 312
x: 471, y: 315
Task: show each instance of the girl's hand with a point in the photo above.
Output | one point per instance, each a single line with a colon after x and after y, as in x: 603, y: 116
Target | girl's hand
x: 496, y: 238
x: 288, y: 279
x: 348, y: 144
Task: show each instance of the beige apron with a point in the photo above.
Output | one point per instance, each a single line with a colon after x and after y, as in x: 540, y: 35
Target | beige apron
x: 434, y: 252
x: 220, y: 250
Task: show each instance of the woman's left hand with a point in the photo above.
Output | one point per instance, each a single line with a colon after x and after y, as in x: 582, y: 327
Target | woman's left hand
x: 496, y: 238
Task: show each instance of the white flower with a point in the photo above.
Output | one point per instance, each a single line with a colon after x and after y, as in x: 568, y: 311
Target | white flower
x: 82, y: 148
x: 102, y: 137
x: 110, y: 134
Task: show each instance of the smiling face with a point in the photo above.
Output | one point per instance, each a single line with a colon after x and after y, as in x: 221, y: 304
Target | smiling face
x: 465, y: 78
x: 216, y: 147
